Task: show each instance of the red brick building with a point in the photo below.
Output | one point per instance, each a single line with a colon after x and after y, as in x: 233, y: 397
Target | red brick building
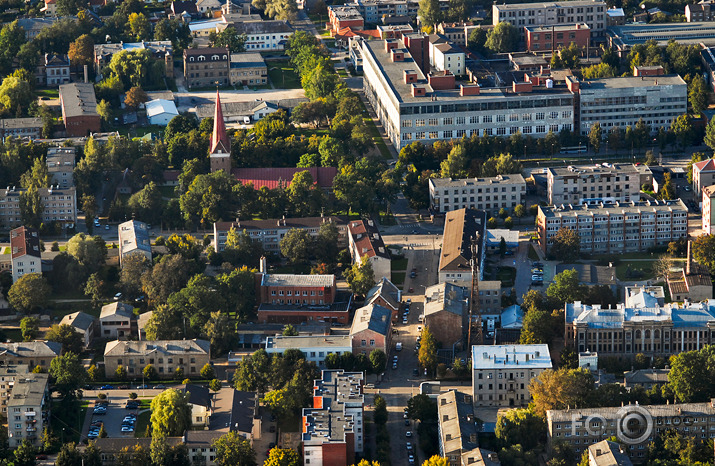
x: 79, y: 109
x: 371, y: 329
x: 341, y: 17
x: 547, y: 38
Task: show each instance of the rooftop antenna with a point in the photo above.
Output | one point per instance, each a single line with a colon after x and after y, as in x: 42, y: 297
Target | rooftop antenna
x: 474, y: 297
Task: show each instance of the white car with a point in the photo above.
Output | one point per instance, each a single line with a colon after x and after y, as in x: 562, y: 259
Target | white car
x: 398, y: 346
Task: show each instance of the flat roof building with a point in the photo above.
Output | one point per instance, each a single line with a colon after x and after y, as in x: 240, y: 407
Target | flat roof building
x: 315, y: 348
x: 622, y: 38
x: 60, y: 165
x: 607, y: 182
x: 591, y: 12
x: 248, y: 68
x: 489, y: 193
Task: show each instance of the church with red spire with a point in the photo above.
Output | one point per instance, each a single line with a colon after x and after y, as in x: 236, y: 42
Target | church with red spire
x: 220, y: 153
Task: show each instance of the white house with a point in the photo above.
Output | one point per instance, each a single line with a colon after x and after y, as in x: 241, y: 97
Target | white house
x: 115, y: 320
x: 160, y: 111
x: 25, y: 252
x: 201, y: 404
x: 364, y: 240
x: 315, y: 348
x: 444, y: 57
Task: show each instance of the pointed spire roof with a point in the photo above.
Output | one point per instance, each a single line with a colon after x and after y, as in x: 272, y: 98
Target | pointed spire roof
x: 219, y: 137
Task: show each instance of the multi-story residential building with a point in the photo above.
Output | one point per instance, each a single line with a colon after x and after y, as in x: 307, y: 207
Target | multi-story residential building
x: 60, y: 165
x: 547, y: 38
x: 708, y: 209
x: 315, y: 347
x: 417, y: 106
x: 627, y: 331
x: 117, y: 320
x: 364, y: 240
x: 133, y: 239
x: 57, y: 70
x: 700, y: 12
x: 591, y: 12
x: 201, y: 404
x: 28, y: 409
x: 270, y: 232
x: 622, y: 102
x: 8, y: 374
x: 25, y: 252
x: 490, y: 194
x: 501, y: 373
x: 446, y: 312
x: 608, y: 453
x: 460, y: 228
x: 374, y: 10
x: 206, y: 67
x: 458, y: 431
x: 33, y: 26
x: 618, y: 227
x: 333, y: 427
x: 32, y: 353
x: 82, y: 323
x: 444, y: 57
x: 371, y: 329
x: 165, y: 355
x: 703, y: 174
x: 60, y: 205
x: 266, y: 35
x: 578, y: 184
x: 457, y: 33
x: 295, y: 299
x: 387, y: 295
x: 199, y: 445
x: 583, y: 428
x: 247, y: 69
x: 344, y: 16
x: 21, y: 127
x: 79, y: 109
x: 161, y: 50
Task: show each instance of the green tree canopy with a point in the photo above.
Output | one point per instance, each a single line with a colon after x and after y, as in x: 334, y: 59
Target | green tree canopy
x: 504, y: 37
x: 233, y: 450
x: 360, y: 276
x: 69, y: 374
x: 521, y: 426
x: 31, y: 291
x: 170, y: 413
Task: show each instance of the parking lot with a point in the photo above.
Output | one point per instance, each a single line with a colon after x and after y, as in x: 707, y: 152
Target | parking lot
x: 116, y: 411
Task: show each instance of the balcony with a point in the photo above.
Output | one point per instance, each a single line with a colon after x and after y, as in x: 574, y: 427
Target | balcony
x: 31, y: 429
x: 31, y: 421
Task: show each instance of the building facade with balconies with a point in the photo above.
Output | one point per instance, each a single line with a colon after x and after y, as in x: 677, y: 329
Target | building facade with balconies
x: 28, y: 409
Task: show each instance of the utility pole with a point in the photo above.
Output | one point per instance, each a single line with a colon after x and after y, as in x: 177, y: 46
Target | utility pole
x: 474, y: 311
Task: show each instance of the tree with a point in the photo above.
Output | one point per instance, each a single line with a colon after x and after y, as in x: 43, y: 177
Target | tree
x: 215, y: 385
x: 219, y: 331
x: 81, y: 51
x: 698, y: 94
x: 521, y: 426
x: 566, y: 245
x: 667, y: 191
x: 504, y: 37
x: 290, y: 331
x: 174, y: 30
x: 295, y: 245
x: 120, y: 373
x: 67, y: 336
x: 134, y: 267
x: 31, y: 291
x: 30, y: 328
x: 150, y: 372
x: 378, y: 359
x: 436, y: 460
x: 15, y: 95
x: 69, y: 455
x: 477, y: 40
x: 682, y: 128
x: 566, y: 287
x: 691, y: 375
x: 454, y: 166
x: 232, y: 450
x: 595, y: 136
x: 703, y: 249
x: 502, y: 164
x: 135, y: 97
x: 422, y: 408
x: 92, y: 456
x: 282, y: 457
x: 69, y: 374
x: 209, y: 197
x: 38, y: 176
x: 519, y: 211
x: 429, y: 13
x: 95, y: 288
x: 379, y: 416
x: 230, y: 38
x: 87, y: 250
x: 360, y: 276
x: 12, y: 39
x: 601, y: 70
x: 537, y: 328
x: 170, y: 413
x: 709, y: 141
x: 140, y: 27
x: 427, y: 354
x: 31, y: 207
x: 170, y: 275
x: 561, y: 389
x: 24, y: 455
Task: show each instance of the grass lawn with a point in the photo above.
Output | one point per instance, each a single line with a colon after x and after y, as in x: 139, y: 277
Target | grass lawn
x: 342, y: 73
x: 51, y: 93
x: 398, y: 264
x: 398, y: 278
x: 375, y: 133
x: 142, y: 423
x: 532, y: 255
x: 67, y: 419
x: 506, y: 275
x: 282, y: 74
x: 646, y: 267
x: 167, y: 191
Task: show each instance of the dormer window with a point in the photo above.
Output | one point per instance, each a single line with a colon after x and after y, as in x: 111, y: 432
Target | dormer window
x: 191, y: 58
x: 202, y: 58
x: 214, y: 57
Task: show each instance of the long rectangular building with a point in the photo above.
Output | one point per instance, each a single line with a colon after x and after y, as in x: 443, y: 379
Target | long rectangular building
x: 490, y: 194
x: 617, y: 227
x: 591, y: 12
x: 60, y: 205
x: 587, y: 183
x: 413, y: 106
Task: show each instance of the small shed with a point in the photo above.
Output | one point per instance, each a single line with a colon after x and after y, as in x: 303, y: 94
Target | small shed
x: 161, y: 111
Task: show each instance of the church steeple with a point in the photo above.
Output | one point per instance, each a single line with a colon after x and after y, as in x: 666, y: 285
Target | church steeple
x: 220, y: 153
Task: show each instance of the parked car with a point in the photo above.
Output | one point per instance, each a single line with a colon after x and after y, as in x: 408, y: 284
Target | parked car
x: 106, y: 387
x: 161, y: 386
x: 398, y: 346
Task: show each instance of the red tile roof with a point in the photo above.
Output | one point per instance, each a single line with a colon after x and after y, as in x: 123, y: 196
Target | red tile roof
x: 24, y: 241
x: 706, y: 165
x: 275, y: 177
x: 367, y: 239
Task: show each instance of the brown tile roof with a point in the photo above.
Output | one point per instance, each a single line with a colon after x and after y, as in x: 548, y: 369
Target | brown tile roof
x: 459, y: 228
x: 367, y: 239
x: 24, y: 241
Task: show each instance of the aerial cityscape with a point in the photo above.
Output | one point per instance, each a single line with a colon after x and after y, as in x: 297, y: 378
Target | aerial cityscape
x: 357, y: 233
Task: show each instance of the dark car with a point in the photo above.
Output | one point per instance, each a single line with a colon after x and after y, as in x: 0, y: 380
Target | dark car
x: 416, y: 372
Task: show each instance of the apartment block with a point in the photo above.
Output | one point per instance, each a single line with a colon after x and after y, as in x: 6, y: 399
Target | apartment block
x: 490, y: 194
x: 364, y: 240
x: 133, y: 239
x: 650, y: 329
x: 263, y: 36
x: 248, y: 68
x: 621, y: 102
x: 60, y: 205
x: 501, y: 373
x: 547, y: 38
x: 206, y: 67
x: 700, y: 12
x: 703, y: 174
x: 444, y: 57
x: 270, y: 232
x: 616, y: 227
x: 460, y: 228
x: 31, y: 353
x: 578, y: 184
x: 708, y: 210
x: 25, y: 252
x: 30, y: 127
x: 60, y: 165
x: 458, y: 431
x: 374, y: 10
x: 315, y: 348
x: 591, y: 12
x: 28, y: 409
x: 417, y: 106
x: 344, y: 16
x: 584, y: 428
x: 332, y: 429
x: 165, y: 355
